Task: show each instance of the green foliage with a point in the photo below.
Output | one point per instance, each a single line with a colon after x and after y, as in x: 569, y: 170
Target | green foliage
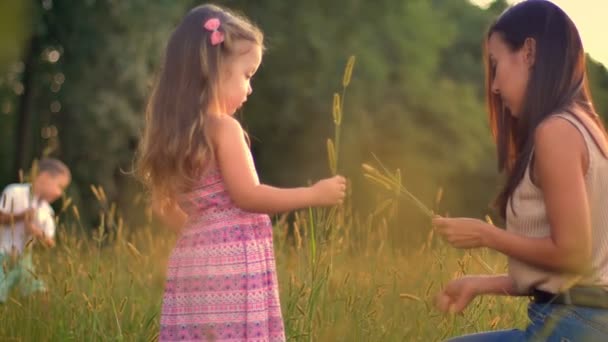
x: 598, y: 81
x: 91, y: 64
x: 14, y: 30
x: 109, y: 288
x: 415, y: 100
x: 416, y: 96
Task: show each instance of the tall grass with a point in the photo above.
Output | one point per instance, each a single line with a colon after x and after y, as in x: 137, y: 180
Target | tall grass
x: 339, y: 277
x: 101, y: 287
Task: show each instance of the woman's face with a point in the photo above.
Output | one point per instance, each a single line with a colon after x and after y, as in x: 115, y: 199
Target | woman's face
x: 510, y: 70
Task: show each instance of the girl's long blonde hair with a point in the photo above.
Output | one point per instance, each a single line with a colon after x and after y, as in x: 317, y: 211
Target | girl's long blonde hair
x: 175, y: 147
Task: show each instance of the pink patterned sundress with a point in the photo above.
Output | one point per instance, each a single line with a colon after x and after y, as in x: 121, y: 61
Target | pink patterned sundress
x: 221, y: 278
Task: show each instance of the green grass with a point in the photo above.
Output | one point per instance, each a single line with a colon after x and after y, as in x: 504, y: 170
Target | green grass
x: 110, y: 289
x: 342, y: 277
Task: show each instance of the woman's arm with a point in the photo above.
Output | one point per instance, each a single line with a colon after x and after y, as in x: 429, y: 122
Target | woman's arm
x: 458, y: 293
x: 561, y: 162
x: 560, y: 165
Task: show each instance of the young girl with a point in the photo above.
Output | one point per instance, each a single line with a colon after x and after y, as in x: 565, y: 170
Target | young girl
x: 553, y: 148
x: 195, y: 159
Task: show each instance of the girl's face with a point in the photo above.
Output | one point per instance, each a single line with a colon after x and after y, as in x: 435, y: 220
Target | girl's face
x: 511, y: 71
x: 235, y: 82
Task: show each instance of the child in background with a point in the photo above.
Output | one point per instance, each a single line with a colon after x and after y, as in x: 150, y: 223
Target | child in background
x: 25, y: 213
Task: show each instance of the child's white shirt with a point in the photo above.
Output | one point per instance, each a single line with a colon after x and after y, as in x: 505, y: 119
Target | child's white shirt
x: 16, y: 199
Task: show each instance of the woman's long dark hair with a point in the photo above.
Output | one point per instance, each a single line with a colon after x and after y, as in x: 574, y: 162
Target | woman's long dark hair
x: 557, y: 83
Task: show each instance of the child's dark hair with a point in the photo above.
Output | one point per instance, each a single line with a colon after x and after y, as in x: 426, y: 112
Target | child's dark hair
x: 53, y: 167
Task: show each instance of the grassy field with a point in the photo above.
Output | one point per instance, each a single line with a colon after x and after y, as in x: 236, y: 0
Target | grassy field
x: 342, y: 277
x: 339, y: 280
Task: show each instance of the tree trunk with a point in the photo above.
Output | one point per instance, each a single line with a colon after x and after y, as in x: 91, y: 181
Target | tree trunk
x: 24, y: 121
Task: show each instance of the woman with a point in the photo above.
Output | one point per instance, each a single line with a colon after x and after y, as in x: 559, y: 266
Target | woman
x: 553, y: 149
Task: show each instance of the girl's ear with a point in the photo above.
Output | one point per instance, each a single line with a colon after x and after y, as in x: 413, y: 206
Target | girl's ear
x: 529, y: 51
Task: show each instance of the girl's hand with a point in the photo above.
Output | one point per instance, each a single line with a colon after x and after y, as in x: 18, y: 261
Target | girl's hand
x: 33, y: 229
x: 49, y: 242
x: 462, y: 232
x: 457, y: 294
x: 329, y: 191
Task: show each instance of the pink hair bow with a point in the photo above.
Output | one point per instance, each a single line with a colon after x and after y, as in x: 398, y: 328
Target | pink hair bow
x: 213, y: 25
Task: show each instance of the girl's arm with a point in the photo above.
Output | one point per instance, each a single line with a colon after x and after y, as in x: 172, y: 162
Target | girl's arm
x: 560, y: 161
x: 8, y: 218
x: 242, y: 183
x: 9, y: 199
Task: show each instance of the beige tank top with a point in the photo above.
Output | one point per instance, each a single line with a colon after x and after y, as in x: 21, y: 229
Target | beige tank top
x: 531, y: 220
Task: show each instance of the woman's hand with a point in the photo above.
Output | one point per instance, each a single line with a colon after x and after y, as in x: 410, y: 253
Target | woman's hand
x: 458, y: 293
x: 462, y: 232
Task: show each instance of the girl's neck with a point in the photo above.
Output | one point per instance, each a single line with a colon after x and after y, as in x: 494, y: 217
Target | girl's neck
x: 214, y: 110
